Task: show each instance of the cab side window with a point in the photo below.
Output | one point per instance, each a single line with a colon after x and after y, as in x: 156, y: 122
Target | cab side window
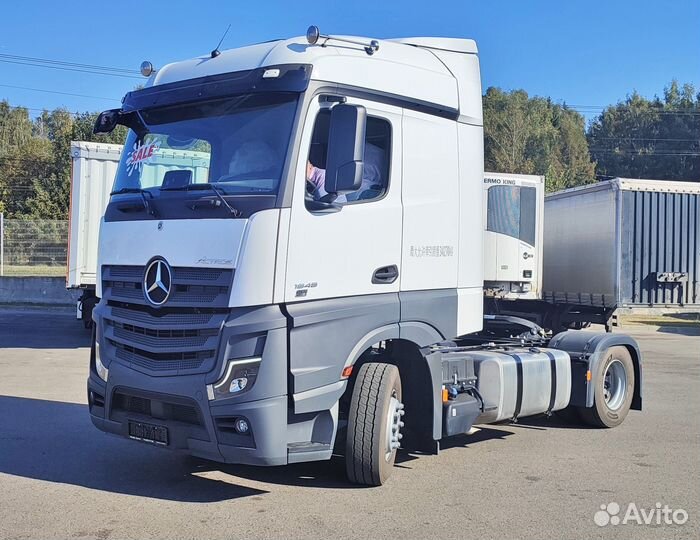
x: 375, y: 176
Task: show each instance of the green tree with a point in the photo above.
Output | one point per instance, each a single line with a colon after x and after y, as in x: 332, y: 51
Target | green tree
x: 51, y: 197
x: 643, y: 138
x: 22, y: 157
x: 15, y: 126
x: 535, y: 136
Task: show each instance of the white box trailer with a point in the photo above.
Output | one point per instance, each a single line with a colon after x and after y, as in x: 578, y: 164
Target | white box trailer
x: 94, y: 165
x: 93, y: 168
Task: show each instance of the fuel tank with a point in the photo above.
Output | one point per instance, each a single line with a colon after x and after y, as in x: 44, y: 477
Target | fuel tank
x: 516, y: 382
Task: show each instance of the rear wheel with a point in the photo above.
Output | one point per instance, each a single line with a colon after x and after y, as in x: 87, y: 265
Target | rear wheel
x: 374, y: 424
x: 614, y: 389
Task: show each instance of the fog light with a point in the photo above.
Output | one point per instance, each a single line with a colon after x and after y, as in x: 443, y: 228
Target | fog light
x: 237, y: 385
x: 102, y: 371
x: 241, y: 425
x: 527, y: 287
x: 239, y: 376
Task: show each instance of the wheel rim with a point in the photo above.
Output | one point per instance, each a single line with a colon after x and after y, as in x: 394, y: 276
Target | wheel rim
x: 393, y: 426
x: 615, y: 384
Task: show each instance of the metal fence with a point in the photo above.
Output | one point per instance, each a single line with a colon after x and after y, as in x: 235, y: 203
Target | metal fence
x: 33, y: 247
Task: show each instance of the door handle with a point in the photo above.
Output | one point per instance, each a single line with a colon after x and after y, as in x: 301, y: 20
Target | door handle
x: 385, y: 274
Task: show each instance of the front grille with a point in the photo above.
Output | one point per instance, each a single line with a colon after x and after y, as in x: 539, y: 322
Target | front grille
x: 161, y: 361
x: 160, y: 338
x: 190, y: 286
x: 182, y: 336
x: 156, y: 409
x: 161, y: 318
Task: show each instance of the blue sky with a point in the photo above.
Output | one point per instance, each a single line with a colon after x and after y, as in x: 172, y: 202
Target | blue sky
x: 581, y: 52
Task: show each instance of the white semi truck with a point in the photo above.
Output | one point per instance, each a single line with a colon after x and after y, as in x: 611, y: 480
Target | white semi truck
x: 318, y: 282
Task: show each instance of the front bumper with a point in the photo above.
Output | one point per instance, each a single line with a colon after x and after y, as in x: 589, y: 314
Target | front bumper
x: 138, y: 391
x: 169, y: 402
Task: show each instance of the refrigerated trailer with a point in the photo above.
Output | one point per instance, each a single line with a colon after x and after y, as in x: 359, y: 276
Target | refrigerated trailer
x: 321, y: 287
x: 513, y: 228
x: 617, y: 244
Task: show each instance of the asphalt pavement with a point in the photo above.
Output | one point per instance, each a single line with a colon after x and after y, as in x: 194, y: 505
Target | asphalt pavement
x: 541, y: 478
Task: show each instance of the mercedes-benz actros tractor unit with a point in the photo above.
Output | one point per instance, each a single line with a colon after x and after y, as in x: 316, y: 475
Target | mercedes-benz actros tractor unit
x: 313, y: 278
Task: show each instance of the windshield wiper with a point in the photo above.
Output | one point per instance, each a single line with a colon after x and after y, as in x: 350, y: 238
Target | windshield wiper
x: 208, y: 186
x: 146, y: 204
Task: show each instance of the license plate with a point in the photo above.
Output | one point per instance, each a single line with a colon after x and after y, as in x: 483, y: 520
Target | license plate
x: 148, y: 433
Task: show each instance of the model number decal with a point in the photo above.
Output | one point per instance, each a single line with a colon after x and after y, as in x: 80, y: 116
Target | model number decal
x: 432, y: 251
x: 207, y: 260
x: 303, y: 288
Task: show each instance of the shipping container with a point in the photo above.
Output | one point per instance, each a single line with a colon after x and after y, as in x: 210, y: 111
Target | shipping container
x: 623, y: 243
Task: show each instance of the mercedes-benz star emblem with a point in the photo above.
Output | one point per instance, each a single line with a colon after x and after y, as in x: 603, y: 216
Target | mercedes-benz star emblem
x: 157, y: 281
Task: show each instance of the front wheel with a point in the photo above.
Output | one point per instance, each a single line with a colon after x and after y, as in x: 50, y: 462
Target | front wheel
x: 614, y: 389
x: 374, y: 424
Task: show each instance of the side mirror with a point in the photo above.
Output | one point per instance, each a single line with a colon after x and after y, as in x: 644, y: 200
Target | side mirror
x: 107, y: 121
x: 346, y: 148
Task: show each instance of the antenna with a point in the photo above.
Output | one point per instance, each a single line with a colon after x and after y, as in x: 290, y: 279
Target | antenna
x: 216, y: 52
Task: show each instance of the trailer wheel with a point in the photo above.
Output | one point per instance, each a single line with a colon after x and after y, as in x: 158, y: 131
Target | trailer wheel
x: 374, y: 422
x: 614, y: 389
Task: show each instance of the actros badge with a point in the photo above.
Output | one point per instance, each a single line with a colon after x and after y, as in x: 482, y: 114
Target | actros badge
x: 157, y: 281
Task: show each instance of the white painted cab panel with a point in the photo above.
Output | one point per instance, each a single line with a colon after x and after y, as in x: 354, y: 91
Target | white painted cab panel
x: 334, y: 255
x: 430, y: 203
x: 203, y: 243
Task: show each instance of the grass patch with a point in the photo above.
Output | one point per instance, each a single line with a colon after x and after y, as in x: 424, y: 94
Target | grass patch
x: 34, y: 270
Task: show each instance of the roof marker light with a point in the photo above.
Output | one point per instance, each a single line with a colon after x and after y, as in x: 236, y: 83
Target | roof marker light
x: 313, y: 34
x: 147, y: 68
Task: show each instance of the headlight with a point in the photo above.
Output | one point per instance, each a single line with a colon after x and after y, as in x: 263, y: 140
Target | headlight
x: 102, y: 371
x: 239, y: 377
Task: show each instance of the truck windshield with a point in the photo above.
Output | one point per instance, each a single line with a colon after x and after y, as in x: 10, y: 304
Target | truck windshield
x: 238, y: 143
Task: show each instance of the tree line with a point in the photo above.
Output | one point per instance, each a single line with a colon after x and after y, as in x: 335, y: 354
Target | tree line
x: 635, y: 138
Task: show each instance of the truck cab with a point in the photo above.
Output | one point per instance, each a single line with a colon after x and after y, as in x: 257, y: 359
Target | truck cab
x: 293, y: 225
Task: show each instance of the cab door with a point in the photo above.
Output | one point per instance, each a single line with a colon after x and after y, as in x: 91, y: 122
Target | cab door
x: 357, y: 250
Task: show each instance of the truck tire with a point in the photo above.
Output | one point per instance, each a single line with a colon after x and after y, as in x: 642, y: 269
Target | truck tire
x: 374, y: 422
x: 613, y: 390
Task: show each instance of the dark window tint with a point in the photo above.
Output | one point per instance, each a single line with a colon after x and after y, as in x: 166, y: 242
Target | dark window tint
x: 512, y: 211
